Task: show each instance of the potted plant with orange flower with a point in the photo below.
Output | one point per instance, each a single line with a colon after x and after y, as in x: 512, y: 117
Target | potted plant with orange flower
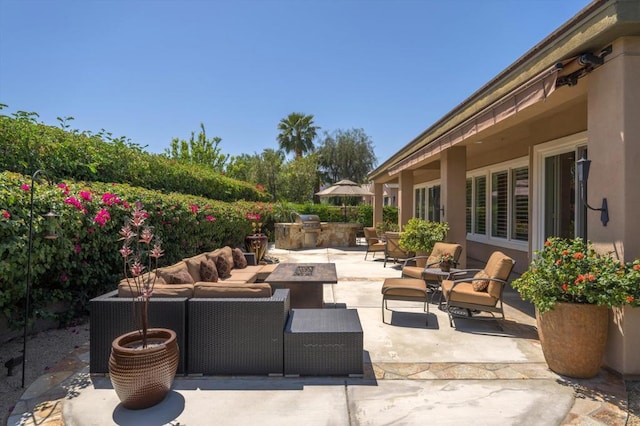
x: 572, y: 286
x: 143, y: 363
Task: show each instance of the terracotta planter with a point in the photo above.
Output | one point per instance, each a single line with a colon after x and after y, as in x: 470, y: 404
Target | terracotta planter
x: 143, y: 377
x: 422, y: 262
x: 445, y: 266
x: 256, y: 243
x: 573, y: 338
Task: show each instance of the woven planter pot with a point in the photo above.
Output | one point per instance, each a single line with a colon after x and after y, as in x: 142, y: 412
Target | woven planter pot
x: 143, y: 377
x: 573, y: 338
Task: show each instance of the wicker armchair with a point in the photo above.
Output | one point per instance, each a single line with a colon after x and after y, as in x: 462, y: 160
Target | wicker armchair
x: 237, y: 336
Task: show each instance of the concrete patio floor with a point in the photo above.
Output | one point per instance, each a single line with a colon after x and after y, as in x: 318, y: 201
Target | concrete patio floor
x: 487, y: 373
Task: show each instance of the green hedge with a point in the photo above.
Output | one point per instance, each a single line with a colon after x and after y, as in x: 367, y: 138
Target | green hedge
x: 26, y: 145
x: 84, y: 261
x: 362, y: 213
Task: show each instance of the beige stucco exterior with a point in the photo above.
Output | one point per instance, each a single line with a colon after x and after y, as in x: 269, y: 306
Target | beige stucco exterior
x: 525, y: 116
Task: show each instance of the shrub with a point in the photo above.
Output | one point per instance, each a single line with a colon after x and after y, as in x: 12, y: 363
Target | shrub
x: 84, y: 261
x: 421, y: 235
x: 571, y: 271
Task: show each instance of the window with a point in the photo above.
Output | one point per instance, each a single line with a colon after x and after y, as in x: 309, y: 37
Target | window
x: 426, y: 202
x: 520, y: 203
x: 499, y: 204
x: 420, y: 203
x: 434, y: 203
x: 480, y: 199
x: 506, y: 189
x: 469, y: 205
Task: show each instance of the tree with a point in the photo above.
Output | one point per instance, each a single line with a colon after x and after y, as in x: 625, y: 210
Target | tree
x: 346, y: 154
x: 267, y: 170
x: 243, y: 167
x: 299, y: 179
x: 198, y: 150
x: 297, y: 132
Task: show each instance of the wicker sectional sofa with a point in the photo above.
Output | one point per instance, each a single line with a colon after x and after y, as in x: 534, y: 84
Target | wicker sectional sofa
x: 233, y: 326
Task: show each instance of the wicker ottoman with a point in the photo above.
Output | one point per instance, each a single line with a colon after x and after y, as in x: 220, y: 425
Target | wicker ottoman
x: 323, y: 342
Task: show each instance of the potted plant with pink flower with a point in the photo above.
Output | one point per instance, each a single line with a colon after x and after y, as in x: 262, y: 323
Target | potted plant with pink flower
x: 572, y: 287
x: 257, y: 241
x: 143, y: 363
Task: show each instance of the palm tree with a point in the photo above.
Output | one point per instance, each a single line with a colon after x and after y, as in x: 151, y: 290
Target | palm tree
x: 297, y: 133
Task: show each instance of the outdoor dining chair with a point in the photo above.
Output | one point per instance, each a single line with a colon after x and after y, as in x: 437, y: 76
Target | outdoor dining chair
x: 479, y: 291
x: 373, y: 242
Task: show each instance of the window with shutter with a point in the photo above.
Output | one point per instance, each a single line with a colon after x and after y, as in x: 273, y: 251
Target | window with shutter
x: 499, y: 204
x: 480, y: 198
x: 520, y: 204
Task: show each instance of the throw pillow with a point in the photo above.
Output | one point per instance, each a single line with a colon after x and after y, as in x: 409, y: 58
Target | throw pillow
x: 208, y: 271
x: 480, y: 285
x: 224, y: 271
x: 239, y: 261
x: 180, y: 276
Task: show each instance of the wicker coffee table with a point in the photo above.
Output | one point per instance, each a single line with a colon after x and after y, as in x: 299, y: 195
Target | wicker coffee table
x: 323, y: 342
x: 305, y: 282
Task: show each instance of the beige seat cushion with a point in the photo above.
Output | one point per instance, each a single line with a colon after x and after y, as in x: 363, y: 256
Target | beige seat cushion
x: 377, y: 247
x: 227, y: 290
x: 242, y: 275
x: 160, y: 290
x: 465, y: 293
x: 264, y: 271
x: 404, y: 287
x: 412, y: 272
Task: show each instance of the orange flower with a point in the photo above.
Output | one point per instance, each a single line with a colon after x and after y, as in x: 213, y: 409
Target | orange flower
x: 636, y: 267
x: 578, y: 255
x: 565, y: 252
x: 630, y: 299
x: 559, y: 262
x: 547, y: 243
x: 565, y: 286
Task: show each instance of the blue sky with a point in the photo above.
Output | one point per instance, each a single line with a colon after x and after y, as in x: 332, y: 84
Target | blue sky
x: 154, y: 70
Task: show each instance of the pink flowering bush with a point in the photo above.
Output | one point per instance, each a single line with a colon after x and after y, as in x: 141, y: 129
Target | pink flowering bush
x: 84, y: 262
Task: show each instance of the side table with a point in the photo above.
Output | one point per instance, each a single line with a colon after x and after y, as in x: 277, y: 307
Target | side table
x: 441, y: 276
x: 323, y: 342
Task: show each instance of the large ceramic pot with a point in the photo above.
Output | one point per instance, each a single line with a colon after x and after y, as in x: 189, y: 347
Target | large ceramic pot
x: 256, y: 243
x: 143, y: 377
x: 573, y: 338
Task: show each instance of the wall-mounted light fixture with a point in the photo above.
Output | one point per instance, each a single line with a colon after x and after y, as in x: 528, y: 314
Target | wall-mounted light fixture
x: 49, y: 235
x: 583, y: 166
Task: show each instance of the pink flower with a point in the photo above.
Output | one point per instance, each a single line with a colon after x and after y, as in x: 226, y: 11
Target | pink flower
x: 64, y: 278
x: 125, y: 205
x: 91, y: 230
x: 136, y: 269
x: 74, y: 202
x: 126, y: 251
x: 85, y: 195
x: 110, y: 199
x: 64, y: 187
x: 6, y: 214
x: 194, y: 208
x: 210, y: 218
x: 25, y: 187
x: 102, y: 217
x: 77, y: 248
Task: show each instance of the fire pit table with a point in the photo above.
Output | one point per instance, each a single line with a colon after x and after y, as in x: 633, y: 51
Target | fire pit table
x: 305, y: 282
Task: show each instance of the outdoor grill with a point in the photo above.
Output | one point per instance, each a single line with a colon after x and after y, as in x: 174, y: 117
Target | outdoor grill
x: 310, y: 222
x: 310, y: 229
